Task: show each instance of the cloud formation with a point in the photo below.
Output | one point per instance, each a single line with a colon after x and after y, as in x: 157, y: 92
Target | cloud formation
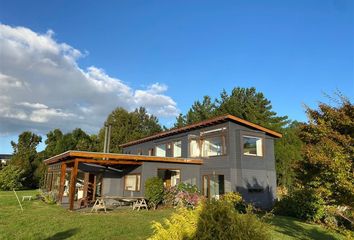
x: 42, y: 87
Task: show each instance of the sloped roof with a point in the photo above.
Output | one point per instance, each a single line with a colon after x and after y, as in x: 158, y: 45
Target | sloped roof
x: 202, y: 124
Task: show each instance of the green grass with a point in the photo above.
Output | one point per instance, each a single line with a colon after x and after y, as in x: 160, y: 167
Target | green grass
x: 42, y: 221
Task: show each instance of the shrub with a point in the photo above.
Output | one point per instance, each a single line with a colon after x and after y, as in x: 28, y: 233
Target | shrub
x: 220, y: 220
x: 236, y: 200
x: 183, y: 194
x: 49, y: 197
x: 211, y: 220
x: 11, y: 178
x: 304, y: 204
x: 181, y: 225
x: 154, y: 191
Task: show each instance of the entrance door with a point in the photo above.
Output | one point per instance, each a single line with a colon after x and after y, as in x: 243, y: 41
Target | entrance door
x: 213, y: 186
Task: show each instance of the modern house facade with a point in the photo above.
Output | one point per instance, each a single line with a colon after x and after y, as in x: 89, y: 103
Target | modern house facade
x: 237, y: 156
x: 219, y: 155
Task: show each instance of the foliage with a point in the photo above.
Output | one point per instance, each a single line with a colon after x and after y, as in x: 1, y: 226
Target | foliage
x: 180, y: 226
x: 305, y: 204
x: 129, y: 126
x: 236, y: 200
x: 48, y: 197
x: 183, y: 194
x: 328, y: 162
x: 26, y: 158
x: 11, y: 177
x: 57, y: 142
x: 154, y: 191
x: 288, y: 154
x: 211, y: 220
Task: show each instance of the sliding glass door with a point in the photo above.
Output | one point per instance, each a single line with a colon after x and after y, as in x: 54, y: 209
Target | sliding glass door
x: 213, y: 186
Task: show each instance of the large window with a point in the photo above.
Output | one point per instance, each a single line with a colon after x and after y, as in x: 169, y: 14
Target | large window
x: 161, y: 150
x: 170, y: 177
x: 252, y: 146
x: 177, y: 149
x: 132, y: 182
x: 213, y: 146
x: 194, y: 150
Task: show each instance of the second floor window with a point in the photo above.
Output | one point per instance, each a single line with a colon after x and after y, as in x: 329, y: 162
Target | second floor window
x: 252, y: 146
x: 177, y: 149
x: 194, y: 150
x: 213, y: 146
x: 161, y: 150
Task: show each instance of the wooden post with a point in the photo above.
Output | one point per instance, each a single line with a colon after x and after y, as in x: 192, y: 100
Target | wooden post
x: 62, y: 181
x: 86, y: 183
x: 72, y: 188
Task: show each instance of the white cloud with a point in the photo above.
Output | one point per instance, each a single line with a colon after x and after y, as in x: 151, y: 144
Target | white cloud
x: 42, y: 87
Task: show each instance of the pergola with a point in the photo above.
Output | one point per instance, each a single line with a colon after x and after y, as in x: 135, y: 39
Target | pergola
x: 71, y: 159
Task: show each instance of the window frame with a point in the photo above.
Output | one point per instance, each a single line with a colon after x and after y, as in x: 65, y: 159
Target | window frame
x: 137, y: 183
x: 253, y: 155
x: 173, y: 148
x: 162, y: 144
x: 171, y: 169
x: 223, y: 144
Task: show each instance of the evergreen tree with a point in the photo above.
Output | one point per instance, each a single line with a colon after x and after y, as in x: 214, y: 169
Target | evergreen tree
x: 201, y: 111
x: 129, y: 126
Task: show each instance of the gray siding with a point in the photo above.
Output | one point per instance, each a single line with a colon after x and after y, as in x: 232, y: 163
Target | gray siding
x: 241, y: 172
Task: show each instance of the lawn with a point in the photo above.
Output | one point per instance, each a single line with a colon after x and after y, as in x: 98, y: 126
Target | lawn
x: 42, y: 221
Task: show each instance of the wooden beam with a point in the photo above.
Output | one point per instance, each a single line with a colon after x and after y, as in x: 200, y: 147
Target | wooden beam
x: 62, y: 181
x: 72, y: 188
x: 109, y: 162
x: 86, y: 183
x: 117, y: 158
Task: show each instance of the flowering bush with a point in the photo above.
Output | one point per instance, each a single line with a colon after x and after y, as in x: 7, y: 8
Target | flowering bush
x: 184, y: 194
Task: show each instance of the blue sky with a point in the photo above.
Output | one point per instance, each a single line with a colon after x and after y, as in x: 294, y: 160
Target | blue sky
x: 171, y: 53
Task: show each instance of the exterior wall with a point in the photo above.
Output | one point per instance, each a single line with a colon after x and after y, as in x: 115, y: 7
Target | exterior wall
x: 241, y: 172
x: 113, y: 183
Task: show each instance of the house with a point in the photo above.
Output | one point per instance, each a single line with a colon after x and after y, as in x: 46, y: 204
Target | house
x: 4, y: 159
x: 218, y: 155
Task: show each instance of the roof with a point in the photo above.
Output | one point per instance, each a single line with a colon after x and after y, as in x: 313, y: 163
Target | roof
x: 5, y: 156
x: 114, y: 158
x: 202, y: 124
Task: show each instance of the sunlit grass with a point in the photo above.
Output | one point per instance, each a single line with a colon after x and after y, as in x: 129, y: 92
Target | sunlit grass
x: 43, y: 221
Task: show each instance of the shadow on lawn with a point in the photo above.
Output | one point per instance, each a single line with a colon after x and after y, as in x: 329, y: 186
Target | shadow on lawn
x: 292, y: 228
x: 64, y: 234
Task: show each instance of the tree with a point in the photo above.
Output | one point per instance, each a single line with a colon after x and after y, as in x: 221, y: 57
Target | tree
x: 129, y: 126
x: 288, y: 154
x: 26, y: 158
x: 328, y: 164
x: 57, y: 142
x: 201, y: 111
x: 11, y: 177
x: 248, y: 104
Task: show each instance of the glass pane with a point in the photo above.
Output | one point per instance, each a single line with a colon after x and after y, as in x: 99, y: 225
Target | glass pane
x: 217, y: 186
x: 170, y: 177
x: 252, y: 146
x: 212, y: 146
x: 161, y: 150
x: 206, y: 186
x: 177, y: 149
x: 130, y: 182
x: 194, y: 148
